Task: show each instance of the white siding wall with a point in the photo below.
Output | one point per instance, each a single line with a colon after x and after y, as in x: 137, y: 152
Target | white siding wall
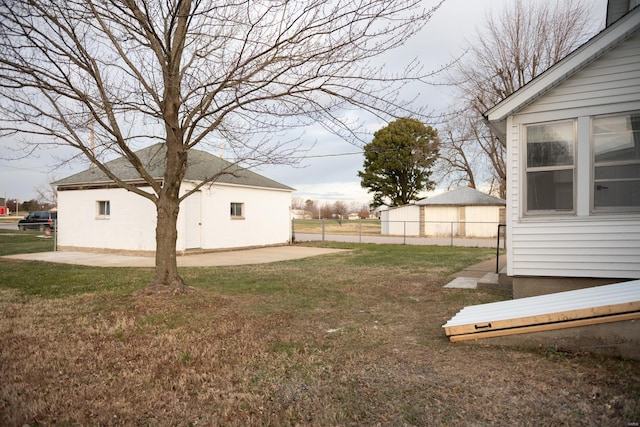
x: 580, y: 245
x: 482, y: 221
x: 578, y: 248
x: 384, y: 222
x: 267, y: 219
x: 404, y: 220
x: 131, y: 225
x: 612, y: 79
x: 441, y: 220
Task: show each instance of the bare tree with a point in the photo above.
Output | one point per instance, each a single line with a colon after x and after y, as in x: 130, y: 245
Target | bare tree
x: 459, y: 157
x: 340, y: 210
x: 311, y: 206
x: 326, y: 210
x: 362, y: 209
x: 513, y: 47
x: 193, y: 73
x: 297, y: 203
x: 47, y: 193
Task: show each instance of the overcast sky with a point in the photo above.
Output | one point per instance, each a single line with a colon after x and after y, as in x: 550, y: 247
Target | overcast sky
x: 330, y: 172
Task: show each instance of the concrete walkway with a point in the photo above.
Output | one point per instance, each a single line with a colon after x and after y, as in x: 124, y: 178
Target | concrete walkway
x: 210, y: 259
x: 482, y: 271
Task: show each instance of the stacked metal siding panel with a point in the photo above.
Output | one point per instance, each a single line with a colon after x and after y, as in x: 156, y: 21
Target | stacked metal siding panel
x: 596, y: 302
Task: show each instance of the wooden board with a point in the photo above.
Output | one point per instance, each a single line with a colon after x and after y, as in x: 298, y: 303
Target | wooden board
x: 546, y: 327
x: 561, y: 316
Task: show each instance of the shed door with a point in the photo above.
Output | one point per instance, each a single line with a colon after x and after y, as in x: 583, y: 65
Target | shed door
x: 193, y: 219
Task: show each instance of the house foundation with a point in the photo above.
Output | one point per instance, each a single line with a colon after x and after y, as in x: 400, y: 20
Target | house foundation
x: 529, y: 286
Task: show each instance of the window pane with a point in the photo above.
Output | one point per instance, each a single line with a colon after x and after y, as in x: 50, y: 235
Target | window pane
x: 618, y: 172
x: 619, y: 194
x: 616, y: 138
x: 616, y: 153
x: 550, y: 144
x: 550, y: 190
x: 236, y: 209
x: 104, y: 208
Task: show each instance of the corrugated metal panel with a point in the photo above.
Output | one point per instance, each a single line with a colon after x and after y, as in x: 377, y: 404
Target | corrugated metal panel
x: 552, y: 308
x: 404, y: 220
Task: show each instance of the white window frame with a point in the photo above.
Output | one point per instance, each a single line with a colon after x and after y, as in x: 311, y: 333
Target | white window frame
x: 526, y: 170
x: 234, y: 212
x: 594, y: 181
x: 103, y: 209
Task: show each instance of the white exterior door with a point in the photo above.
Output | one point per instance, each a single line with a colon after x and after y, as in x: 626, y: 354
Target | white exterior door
x: 193, y: 221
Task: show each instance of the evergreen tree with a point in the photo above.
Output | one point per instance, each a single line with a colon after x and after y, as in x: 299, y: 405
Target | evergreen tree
x: 398, y: 161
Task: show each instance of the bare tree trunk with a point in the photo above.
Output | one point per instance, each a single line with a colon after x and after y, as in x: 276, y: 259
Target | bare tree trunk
x: 167, y: 278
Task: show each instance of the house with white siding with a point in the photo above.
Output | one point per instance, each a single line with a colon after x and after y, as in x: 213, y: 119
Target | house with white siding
x: 463, y: 212
x: 240, y: 209
x: 573, y: 154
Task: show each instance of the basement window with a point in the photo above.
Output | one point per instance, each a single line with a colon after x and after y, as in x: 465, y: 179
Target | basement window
x: 103, y: 209
x: 237, y: 210
x: 616, y: 162
x: 550, y: 167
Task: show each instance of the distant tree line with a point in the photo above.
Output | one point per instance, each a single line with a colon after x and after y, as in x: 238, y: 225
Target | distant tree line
x: 337, y: 209
x: 27, y: 205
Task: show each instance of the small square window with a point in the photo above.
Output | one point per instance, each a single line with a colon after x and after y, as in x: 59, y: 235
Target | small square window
x: 104, y: 208
x: 237, y: 210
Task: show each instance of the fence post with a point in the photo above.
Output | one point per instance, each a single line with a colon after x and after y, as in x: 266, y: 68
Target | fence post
x: 323, y: 229
x: 451, y: 233
x: 404, y: 232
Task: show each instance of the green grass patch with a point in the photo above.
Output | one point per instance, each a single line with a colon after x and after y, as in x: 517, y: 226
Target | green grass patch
x: 48, y: 280
x: 24, y: 242
x: 304, y: 284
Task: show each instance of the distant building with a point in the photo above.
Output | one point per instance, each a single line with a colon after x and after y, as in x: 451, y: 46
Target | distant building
x: 463, y: 212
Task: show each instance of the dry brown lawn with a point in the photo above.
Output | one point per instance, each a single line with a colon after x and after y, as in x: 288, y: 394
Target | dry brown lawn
x: 334, y: 341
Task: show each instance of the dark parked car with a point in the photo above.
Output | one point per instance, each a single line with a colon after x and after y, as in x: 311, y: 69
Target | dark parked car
x: 39, y: 220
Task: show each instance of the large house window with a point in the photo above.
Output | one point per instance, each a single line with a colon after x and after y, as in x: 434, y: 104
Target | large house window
x: 103, y: 208
x: 237, y: 210
x: 550, y: 167
x: 616, y: 160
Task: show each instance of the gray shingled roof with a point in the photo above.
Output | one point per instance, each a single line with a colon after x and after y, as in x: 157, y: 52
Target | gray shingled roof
x: 201, y: 166
x: 463, y: 196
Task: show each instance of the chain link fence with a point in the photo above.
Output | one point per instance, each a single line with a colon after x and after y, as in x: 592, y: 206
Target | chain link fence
x: 438, y: 233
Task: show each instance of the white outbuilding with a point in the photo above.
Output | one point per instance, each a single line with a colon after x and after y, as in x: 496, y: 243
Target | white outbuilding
x: 463, y: 212
x: 240, y: 209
